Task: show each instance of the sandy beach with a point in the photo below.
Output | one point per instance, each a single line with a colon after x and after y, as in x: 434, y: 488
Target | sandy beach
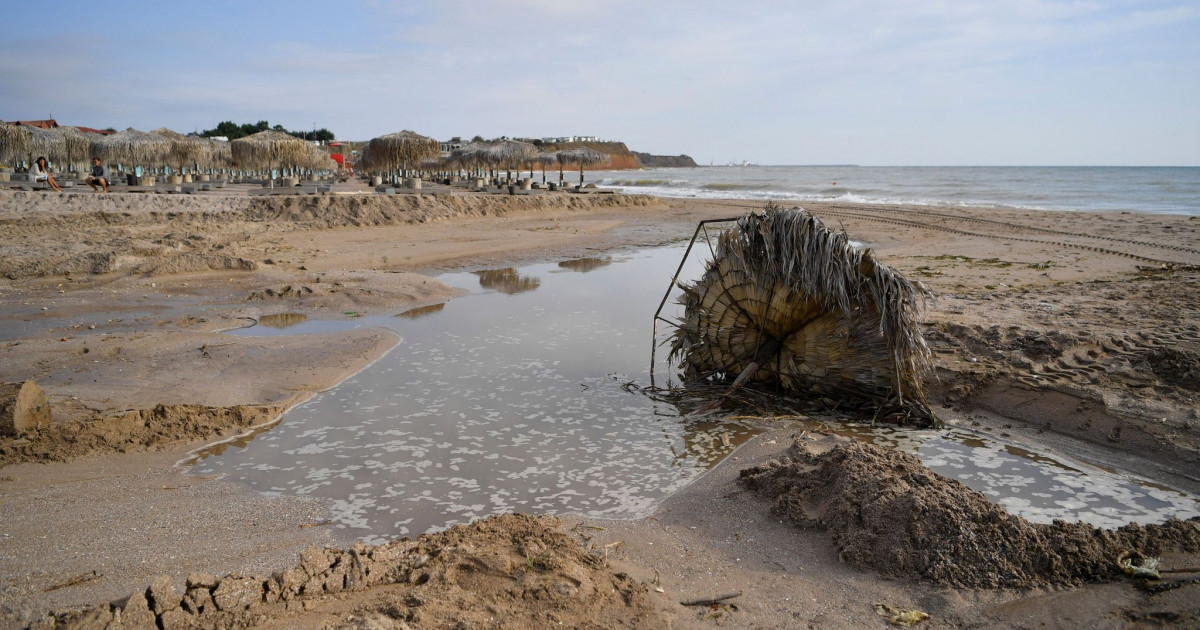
x: 1076, y: 333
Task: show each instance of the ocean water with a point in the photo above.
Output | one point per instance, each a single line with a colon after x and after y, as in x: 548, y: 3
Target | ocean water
x: 1172, y: 190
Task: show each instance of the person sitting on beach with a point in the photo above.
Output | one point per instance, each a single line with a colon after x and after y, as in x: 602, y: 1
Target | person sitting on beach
x: 41, y: 173
x: 99, y: 175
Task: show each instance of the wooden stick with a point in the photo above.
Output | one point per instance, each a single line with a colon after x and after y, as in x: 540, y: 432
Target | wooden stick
x: 78, y: 579
x: 708, y: 601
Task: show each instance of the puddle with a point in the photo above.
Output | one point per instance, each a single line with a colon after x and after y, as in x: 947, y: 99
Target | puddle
x: 516, y: 397
x: 522, y: 396
x: 1035, y: 486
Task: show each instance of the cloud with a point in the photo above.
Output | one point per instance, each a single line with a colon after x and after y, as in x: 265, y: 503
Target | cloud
x: 772, y: 81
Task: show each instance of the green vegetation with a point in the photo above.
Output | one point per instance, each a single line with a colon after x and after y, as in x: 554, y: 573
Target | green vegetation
x: 233, y: 131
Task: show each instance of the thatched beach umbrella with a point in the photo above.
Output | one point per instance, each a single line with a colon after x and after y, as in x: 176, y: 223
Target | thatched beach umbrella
x: 49, y: 143
x: 14, y: 143
x: 544, y: 159
x: 472, y: 155
x: 788, y: 302
x: 187, y: 150
x: 78, y: 145
x: 582, y: 156
x: 268, y: 149
x: 318, y: 159
x: 513, y: 154
x: 133, y: 148
x: 399, y: 150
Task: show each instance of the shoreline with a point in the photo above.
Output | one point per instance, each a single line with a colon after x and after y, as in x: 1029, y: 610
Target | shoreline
x: 911, y: 239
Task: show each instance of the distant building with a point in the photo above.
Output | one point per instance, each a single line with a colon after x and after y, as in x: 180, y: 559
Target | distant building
x: 452, y: 144
x: 568, y: 139
x: 49, y: 123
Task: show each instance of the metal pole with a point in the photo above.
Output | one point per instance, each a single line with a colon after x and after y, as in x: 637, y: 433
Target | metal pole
x: 674, y: 281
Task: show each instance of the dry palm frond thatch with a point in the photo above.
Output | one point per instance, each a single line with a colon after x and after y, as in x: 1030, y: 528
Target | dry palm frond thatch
x: 50, y: 143
x: 78, y: 144
x: 473, y: 155
x: 14, y: 143
x: 132, y: 148
x: 790, y: 302
x: 399, y: 150
x: 581, y: 157
x: 269, y: 149
x: 187, y: 150
x: 514, y: 154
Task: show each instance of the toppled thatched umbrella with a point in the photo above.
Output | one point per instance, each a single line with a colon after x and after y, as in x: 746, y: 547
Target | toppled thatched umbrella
x: 132, y: 147
x: 269, y: 149
x: 581, y: 156
x: 399, y: 150
x: 786, y: 301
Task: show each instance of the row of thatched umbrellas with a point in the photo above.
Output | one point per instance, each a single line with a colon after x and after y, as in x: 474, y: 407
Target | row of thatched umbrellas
x: 161, y: 148
x: 406, y: 151
x: 394, y: 153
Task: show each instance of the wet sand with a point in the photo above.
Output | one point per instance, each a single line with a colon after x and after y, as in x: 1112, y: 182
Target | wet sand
x: 1075, y: 332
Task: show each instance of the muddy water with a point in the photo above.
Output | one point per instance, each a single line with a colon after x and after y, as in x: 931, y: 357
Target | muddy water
x: 523, y: 396
x: 517, y: 397
x: 1038, y: 487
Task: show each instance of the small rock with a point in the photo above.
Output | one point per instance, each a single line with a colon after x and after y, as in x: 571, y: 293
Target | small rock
x: 23, y: 407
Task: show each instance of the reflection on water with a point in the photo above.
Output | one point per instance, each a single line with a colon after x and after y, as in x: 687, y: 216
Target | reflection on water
x: 507, y: 281
x: 282, y: 320
x: 493, y: 405
x: 584, y: 265
x: 422, y: 311
x: 1032, y: 485
x: 533, y: 404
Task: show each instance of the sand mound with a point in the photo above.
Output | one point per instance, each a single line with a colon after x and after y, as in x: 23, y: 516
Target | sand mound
x: 364, y: 210
x: 509, y: 571
x: 145, y: 429
x: 1178, y: 366
x: 160, y: 235
x: 887, y: 512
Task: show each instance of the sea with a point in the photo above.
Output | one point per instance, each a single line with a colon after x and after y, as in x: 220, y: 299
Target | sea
x: 1171, y: 190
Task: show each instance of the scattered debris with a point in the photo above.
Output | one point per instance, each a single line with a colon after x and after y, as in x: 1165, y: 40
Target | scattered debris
x: 900, y: 616
x: 709, y: 601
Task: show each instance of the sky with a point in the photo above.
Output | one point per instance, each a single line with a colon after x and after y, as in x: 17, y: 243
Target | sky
x: 915, y: 82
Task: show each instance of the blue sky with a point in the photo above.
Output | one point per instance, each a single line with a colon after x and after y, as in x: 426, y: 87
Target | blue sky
x: 941, y: 82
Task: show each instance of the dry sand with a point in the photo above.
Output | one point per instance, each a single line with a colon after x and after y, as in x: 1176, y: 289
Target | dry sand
x: 1075, y: 332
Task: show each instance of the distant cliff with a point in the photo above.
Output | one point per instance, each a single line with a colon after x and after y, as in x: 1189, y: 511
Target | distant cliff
x: 664, y: 161
x: 621, y: 158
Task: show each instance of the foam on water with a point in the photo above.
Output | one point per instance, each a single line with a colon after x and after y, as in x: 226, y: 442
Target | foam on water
x: 524, y: 396
x: 1135, y: 189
